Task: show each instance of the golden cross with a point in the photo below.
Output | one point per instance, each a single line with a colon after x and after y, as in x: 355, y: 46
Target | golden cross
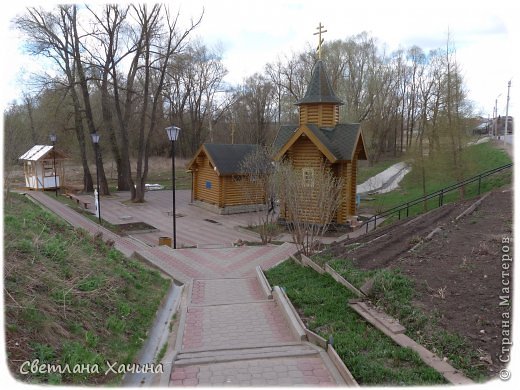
x: 320, y: 39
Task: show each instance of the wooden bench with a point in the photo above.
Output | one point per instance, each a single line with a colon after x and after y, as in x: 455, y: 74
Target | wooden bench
x: 78, y: 199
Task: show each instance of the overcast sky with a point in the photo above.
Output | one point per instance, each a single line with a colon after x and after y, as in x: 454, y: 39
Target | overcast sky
x: 253, y: 33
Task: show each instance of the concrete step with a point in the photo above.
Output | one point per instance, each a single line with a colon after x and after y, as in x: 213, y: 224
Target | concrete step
x: 225, y: 355
x: 226, y: 291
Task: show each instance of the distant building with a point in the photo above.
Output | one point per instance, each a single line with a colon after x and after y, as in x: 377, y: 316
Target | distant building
x: 499, y: 125
x: 41, y: 172
x: 218, y: 181
x: 320, y: 139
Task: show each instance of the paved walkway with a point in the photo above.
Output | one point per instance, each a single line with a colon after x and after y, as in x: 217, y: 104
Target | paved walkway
x: 229, y: 333
x: 195, y: 225
x: 385, y: 181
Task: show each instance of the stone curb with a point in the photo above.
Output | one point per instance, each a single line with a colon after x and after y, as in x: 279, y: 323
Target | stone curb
x: 306, y: 261
x: 164, y: 379
x: 264, y: 284
x: 182, y: 319
x: 341, y: 280
x: 295, y: 259
x: 316, y: 339
x: 377, y: 318
x: 341, y: 367
x: 472, y: 208
x: 451, y: 374
x: 312, y: 337
x: 293, y: 321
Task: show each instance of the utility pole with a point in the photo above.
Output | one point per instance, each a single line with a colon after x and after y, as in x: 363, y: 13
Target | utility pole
x: 507, y: 111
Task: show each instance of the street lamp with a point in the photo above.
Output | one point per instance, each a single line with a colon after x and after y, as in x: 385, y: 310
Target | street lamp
x: 95, y: 140
x: 173, y: 133
x: 53, y: 140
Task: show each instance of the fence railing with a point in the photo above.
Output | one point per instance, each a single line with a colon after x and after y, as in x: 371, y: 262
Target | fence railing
x: 400, y: 209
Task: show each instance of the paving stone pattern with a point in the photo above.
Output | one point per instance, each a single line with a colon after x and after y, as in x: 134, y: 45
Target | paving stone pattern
x: 232, y: 333
x: 232, y: 319
x: 305, y: 371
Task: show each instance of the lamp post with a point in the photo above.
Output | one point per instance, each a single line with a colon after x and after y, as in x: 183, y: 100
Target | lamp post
x: 173, y: 133
x: 53, y: 140
x: 95, y: 140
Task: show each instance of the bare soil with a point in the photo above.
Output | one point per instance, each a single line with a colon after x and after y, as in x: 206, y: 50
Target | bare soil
x: 457, y: 272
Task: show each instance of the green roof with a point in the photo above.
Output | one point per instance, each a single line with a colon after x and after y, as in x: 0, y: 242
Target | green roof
x: 339, y: 140
x: 319, y: 89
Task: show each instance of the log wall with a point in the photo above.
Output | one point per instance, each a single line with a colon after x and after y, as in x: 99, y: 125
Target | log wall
x: 203, y: 173
x: 323, y: 115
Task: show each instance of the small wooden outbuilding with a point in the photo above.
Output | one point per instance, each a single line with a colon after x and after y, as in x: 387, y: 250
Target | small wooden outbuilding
x: 320, y: 140
x: 43, y: 167
x: 218, y: 181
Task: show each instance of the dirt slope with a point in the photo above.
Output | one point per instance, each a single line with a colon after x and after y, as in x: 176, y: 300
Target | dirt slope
x: 457, y: 273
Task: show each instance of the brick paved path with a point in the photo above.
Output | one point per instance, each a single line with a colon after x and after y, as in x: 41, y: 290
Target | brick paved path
x: 230, y: 333
x: 233, y: 335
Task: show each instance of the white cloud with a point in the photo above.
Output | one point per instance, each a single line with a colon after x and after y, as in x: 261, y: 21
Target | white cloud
x: 253, y: 33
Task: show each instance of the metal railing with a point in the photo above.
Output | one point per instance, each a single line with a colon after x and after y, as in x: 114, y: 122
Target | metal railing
x: 439, y: 193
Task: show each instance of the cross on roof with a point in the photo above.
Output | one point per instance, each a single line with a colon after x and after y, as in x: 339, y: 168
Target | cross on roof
x: 320, y: 39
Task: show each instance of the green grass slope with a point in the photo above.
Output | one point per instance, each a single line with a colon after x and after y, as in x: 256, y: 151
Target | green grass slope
x: 371, y: 356
x: 71, y: 299
x: 439, y: 174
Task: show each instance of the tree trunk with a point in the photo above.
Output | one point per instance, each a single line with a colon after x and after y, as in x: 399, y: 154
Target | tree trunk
x: 34, y: 135
x: 103, y: 184
x: 88, y: 185
x: 108, y: 123
x: 126, y: 168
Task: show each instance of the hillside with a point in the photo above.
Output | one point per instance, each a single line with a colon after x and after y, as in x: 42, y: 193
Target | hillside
x: 70, y: 298
x: 439, y: 174
x: 446, y: 285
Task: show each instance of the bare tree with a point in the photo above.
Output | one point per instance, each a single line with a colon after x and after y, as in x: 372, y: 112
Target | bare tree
x: 259, y: 169
x: 310, y: 204
x: 192, y: 80
x: 255, y: 109
x: 110, y: 22
x: 50, y: 35
x: 158, y: 48
x: 70, y: 16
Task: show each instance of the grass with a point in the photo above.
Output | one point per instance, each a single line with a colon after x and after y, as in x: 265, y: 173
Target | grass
x: 477, y: 158
x: 70, y: 298
x: 394, y: 292
x: 162, y: 353
x: 372, y: 357
x: 164, y: 178
x: 366, y: 171
x: 120, y: 229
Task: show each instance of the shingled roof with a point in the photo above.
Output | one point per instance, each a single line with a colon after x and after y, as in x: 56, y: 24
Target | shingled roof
x: 284, y: 134
x: 319, y: 89
x: 340, y: 141
x: 226, y: 158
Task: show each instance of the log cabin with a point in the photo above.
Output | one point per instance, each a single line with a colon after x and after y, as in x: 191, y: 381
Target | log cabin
x: 219, y: 183
x: 319, y: 140
x: 43, y: 167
